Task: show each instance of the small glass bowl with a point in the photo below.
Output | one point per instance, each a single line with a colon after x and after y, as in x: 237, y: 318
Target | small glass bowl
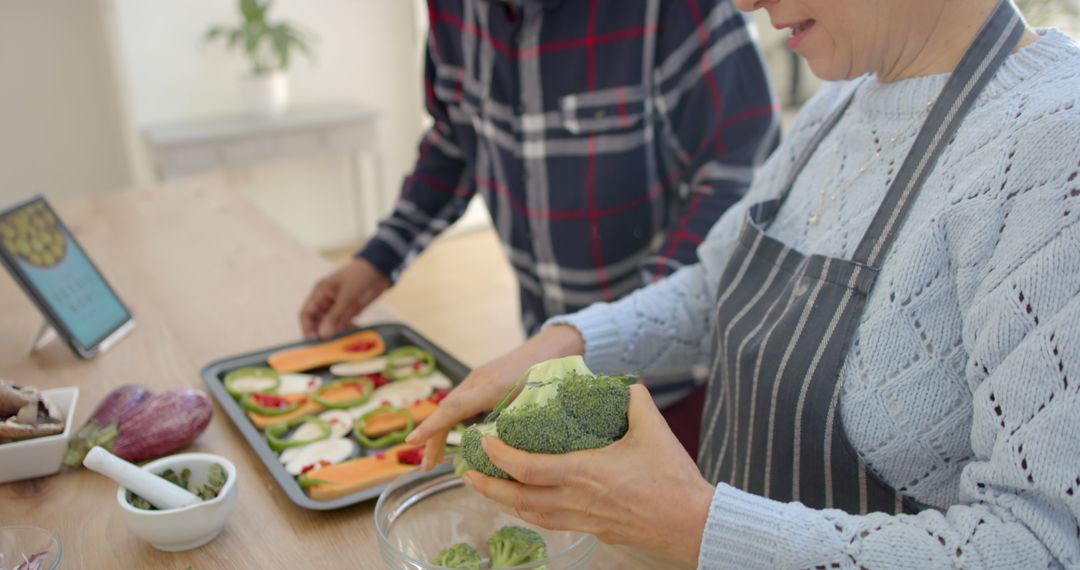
x: 19, y: 544
x: 420, y: 514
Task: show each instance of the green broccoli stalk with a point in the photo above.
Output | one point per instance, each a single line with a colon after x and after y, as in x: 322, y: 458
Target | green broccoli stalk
x: 514, y: 545
x: 562, y: 407
x: 459, y: 556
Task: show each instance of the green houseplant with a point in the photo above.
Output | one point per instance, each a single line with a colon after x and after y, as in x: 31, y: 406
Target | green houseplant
x: 269, y: 48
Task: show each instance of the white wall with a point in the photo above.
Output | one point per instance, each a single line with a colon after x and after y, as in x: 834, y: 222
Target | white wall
x: 367, y: 52
x: 59, y: 120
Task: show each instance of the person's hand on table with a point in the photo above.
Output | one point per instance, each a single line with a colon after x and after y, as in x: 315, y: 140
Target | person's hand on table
x: 486, y: 385
x: 643, y: 490
x: 339, y: 297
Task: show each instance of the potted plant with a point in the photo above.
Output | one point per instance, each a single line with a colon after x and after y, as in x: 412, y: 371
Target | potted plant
x: 268, y: 47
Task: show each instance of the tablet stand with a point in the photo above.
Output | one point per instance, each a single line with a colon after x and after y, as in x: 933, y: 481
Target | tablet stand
x: 45, y: 334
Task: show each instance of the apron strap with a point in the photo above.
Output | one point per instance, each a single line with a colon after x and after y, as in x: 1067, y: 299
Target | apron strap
x: 994, y: 43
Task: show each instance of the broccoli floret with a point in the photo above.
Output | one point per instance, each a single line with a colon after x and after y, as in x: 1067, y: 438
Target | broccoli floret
x: 514, y: 545
x: 562, y: 407
x: 460, y: 555
x: 472, y: 454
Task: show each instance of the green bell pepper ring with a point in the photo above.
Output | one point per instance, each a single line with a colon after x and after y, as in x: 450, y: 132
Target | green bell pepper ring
x: 267, y: 404
x: 306, y: 481
x: 275, y: 432
x: 232, y: 378
x: 416, y: 362
x: 365, y: 393
x: 389, y: 439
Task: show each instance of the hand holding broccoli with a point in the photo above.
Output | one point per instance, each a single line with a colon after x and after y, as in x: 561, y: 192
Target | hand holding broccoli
x: 642, y: 490
x: 486, y: 385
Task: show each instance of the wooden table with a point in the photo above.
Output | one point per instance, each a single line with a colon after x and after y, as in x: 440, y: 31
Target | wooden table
x: 207, y: 276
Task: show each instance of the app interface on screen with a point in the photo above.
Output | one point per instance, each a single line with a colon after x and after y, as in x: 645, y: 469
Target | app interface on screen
x: 58, y: 268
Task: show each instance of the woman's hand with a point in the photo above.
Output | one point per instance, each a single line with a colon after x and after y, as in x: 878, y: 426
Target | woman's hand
x: 486, y: 385
x: 643, y: 490
x: 339, y: 297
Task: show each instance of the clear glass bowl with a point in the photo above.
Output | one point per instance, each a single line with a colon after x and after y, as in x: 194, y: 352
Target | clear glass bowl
x: 21, y: 543
x: 419, y: 514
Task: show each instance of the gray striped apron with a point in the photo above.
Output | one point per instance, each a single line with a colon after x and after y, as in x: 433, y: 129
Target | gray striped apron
x: 785, y: 321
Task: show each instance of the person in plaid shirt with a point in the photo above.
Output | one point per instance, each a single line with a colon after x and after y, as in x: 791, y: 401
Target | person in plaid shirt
x: 605, y: 137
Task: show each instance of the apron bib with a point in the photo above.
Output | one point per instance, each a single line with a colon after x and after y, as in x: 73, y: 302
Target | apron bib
x: 785, y: 322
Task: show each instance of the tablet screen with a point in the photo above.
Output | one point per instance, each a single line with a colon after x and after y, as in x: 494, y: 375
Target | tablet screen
x: 59, y: 275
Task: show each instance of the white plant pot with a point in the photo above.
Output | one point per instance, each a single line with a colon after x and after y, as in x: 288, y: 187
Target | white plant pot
x: 267, y: 95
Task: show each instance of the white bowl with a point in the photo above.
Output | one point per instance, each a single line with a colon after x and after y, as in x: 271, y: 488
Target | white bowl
x: 40, y: 456
x: 190, y: 527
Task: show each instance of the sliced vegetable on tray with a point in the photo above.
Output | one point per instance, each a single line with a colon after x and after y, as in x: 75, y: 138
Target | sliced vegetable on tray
x: 252, y: 379
x: 268, y: 404
x: 356, y: 346
x: 344, y: 393
x: 298, y: 384
x: 409, y: 362
x: 320, y: 454
x: 302, y: 432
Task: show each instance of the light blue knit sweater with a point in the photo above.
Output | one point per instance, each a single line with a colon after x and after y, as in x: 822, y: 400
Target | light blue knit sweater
x: 962, y: 388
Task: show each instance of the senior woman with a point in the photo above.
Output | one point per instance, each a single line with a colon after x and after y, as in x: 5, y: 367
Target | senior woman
x: 892, y: 315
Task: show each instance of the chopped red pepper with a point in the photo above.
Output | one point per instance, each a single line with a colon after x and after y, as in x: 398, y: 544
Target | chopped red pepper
x: 307, y: 468
x: 378, y: 379
x: 380, y: 455
x: 411, y: 456
x: 418, y: 365
x: 312, y: 382
x: 385, y: 403
x: 362, y: 346
x: 270, y: 400
x: 439, y: 396
x: 323, y: 463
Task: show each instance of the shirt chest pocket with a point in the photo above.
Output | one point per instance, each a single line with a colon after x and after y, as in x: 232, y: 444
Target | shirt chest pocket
x: 606, y: 110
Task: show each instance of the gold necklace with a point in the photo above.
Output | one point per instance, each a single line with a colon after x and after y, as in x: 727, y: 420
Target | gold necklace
x: 815, y: 217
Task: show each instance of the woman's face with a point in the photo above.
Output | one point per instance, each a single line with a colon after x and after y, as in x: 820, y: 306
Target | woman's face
x: 841, y: 39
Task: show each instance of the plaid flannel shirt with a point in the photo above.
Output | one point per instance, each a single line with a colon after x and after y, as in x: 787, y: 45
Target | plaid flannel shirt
x: 605, y: 136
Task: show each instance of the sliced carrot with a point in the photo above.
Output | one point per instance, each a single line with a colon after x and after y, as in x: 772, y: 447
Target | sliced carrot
x: 381, y: 424
x: 357, y: 346
x: 357, y: 474
x: 308, y: 408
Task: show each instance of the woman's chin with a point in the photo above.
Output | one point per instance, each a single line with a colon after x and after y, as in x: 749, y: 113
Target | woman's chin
x: 828, y: 70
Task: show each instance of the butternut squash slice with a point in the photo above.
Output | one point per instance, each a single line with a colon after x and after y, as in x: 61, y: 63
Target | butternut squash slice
x: 335, y: 481
x: 356, y: 346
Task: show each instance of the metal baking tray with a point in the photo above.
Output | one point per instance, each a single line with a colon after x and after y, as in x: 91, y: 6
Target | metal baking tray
x: 393, y: 334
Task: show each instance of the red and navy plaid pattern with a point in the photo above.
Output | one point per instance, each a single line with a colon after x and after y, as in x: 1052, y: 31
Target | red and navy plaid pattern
x: 605, y: 136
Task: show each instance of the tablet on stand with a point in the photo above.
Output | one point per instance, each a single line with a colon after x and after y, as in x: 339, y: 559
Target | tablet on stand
x: 53, y: 270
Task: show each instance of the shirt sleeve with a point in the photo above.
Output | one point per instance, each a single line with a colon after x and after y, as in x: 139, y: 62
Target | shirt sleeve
x: 718, y: 120
x: 433, y: 196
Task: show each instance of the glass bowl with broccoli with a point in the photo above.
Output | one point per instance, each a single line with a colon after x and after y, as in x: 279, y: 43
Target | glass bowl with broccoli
x: 433, y: 521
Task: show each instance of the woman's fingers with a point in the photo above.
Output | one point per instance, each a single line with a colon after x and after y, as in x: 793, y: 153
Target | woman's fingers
x: 642, y: 410
x: 434, y: 450
x: 458, y: 405
x: 517, y: 497
x: 532, y: 468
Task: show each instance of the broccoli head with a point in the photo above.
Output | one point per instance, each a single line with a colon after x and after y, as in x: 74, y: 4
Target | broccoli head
x: 514, y: 545
x: 562, y: 407
x: 459, y: 556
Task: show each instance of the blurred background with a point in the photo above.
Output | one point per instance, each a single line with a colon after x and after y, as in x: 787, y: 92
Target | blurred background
x: 100, y: 95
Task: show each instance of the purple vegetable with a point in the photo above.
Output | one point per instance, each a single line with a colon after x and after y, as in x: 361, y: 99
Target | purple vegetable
x: 103, y: 423
x: 167, y: 423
